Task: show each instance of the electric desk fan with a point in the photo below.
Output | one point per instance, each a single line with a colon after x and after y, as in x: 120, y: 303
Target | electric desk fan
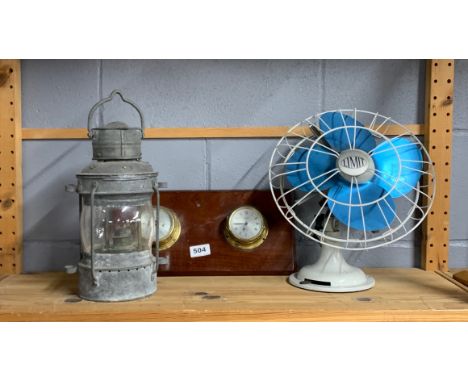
x: 349, y: 180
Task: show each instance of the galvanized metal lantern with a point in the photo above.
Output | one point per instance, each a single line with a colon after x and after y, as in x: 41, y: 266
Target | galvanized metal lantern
x: 117, y: 219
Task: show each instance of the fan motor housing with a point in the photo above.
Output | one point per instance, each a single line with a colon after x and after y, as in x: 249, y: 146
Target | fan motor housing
x: 355, y: 164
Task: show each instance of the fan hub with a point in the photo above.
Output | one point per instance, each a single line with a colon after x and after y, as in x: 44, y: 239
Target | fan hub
x: 355, y: 164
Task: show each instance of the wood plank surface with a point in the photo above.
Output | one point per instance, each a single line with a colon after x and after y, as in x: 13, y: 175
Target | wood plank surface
x: 399, y: 295
x: 189, y: 132
x: 11, y: 181
x: 438, y: 141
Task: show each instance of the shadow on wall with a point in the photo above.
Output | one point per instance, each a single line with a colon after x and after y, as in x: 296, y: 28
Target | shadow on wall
x: 396, y: 255
x: 51, y: 229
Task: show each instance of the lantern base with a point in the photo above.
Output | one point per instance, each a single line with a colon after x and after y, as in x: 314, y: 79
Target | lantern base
x: 119, y: 276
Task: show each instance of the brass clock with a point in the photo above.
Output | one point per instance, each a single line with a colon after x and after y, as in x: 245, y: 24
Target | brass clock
x: 246, y: 228
x: 169, y: 228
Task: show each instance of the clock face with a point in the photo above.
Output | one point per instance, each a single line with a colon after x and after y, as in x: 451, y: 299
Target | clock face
x: 246, y: 224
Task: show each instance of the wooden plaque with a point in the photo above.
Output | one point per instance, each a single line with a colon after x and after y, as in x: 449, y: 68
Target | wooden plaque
x: 202, y: 215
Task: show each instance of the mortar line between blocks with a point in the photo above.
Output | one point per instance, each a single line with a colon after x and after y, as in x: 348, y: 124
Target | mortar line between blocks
x: 207, y: 164
x: 100, y: 92
x: 322, y: 84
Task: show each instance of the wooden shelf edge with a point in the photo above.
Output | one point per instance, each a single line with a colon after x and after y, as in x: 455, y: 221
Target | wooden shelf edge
x: 268, y: 316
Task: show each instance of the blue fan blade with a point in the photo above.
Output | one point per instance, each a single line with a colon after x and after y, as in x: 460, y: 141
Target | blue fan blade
x: 387, y: 164
x: 297, y: 173
x: 319, y: 162
x: 339, y: 139
x: 375, y: 218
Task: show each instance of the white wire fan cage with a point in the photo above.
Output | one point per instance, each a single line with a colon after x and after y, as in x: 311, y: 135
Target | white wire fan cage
x: 306, y: 204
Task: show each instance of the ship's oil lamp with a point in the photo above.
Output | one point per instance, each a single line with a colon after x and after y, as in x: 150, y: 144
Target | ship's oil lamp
x: 117, y: 219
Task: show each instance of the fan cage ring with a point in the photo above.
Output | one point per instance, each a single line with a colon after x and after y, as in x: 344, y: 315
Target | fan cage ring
x: 395, y: 231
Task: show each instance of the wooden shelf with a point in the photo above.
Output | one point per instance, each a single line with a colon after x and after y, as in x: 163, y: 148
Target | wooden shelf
x: 400, y: 295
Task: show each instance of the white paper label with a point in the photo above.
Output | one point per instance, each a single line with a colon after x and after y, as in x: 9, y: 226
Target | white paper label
x: 200, y: 250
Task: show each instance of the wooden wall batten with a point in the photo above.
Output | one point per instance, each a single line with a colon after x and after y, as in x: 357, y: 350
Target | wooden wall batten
x: 35, y: 133
x: 438, y: 140
x: 11, y: 200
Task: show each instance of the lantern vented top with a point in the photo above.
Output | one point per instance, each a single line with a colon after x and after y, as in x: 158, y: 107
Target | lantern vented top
x: 116, y: 140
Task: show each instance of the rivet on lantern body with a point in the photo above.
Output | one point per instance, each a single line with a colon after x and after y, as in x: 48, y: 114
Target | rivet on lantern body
x: 117, y: 219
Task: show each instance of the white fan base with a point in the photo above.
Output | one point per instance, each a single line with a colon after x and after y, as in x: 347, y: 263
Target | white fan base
x: 331, y: 273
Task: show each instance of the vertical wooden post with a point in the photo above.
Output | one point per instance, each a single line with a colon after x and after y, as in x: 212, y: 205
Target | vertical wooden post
x: 11, y: 200
x: 438, y: 140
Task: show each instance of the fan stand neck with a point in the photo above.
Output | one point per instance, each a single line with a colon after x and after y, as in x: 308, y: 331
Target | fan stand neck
x: 331, y: 273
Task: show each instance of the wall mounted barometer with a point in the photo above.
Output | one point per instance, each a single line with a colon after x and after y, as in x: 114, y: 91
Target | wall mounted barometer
x: 169, y: 228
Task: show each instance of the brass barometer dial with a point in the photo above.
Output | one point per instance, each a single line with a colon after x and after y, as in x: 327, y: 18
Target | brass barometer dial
x: 169, y: 228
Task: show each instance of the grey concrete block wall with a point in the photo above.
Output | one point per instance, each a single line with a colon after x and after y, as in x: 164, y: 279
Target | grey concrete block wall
x: 216, y: 92
x: 202, y: 93
x: 58, y: 93
x: 394, y: 88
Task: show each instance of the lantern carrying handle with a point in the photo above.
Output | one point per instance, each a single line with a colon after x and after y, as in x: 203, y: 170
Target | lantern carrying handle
x: 93, y: 271
x: 107, y: 99
x: 158, y: 207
